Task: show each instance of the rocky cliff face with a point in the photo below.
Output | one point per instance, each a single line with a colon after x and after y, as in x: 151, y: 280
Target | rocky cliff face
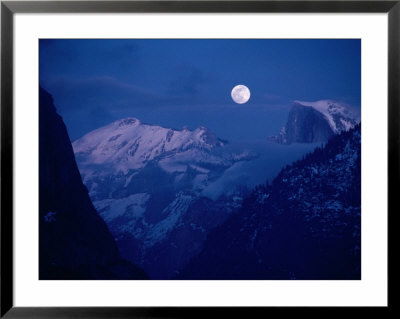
x: 314, y: 122
x: 74, y: 242
x: 306, y: 125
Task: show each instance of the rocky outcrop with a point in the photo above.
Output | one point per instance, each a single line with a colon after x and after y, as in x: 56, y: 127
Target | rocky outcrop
x: 315, y: 122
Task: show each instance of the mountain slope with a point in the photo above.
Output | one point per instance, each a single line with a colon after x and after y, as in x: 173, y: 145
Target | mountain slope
x: 310, y: 122
x: 147, y: 183
x: 74, y: 242
x: 305, y: 225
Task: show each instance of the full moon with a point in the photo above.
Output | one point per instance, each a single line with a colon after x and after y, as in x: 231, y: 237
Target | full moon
x: 240, y: 94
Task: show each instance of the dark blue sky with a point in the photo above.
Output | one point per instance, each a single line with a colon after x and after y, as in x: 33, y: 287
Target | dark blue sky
x: 174, y: 83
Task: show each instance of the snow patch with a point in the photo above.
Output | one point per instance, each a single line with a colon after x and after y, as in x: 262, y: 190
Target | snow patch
x: 174, y: 211
x: 50, y: 217
x: 339, y: 116
x: 133, y: 205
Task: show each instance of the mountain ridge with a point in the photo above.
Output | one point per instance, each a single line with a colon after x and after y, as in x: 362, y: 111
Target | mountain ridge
x: 305, y: 225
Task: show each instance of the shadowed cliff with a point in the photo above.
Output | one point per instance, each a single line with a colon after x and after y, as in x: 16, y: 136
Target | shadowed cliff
x: 74, y: 242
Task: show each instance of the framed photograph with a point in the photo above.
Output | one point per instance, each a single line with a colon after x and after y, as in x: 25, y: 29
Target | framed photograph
x: 188, y: 158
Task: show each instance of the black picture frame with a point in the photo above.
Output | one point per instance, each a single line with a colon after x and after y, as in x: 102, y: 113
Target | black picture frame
x: 9, y: 8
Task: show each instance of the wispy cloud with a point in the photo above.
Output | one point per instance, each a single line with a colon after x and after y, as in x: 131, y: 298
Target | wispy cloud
x: 92, y: 91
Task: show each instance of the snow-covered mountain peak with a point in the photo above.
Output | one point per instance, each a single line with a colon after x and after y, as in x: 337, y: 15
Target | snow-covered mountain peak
x: 208, y: 137
x: 129, y: 144
x: 152, y: 184
x: 339, y: 116
x: 126, y: 122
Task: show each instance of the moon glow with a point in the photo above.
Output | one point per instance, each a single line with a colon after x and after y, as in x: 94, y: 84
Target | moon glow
x: 240, y: 94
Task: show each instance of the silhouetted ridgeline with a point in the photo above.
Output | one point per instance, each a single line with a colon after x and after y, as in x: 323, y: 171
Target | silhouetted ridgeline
x: 305, y: 225
x: 74, y: 242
